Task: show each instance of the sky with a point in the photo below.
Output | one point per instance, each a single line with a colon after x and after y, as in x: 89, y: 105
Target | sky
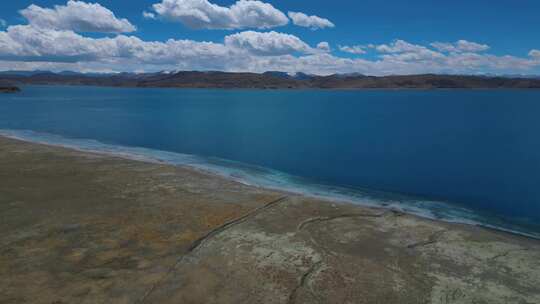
x: 318, y: 37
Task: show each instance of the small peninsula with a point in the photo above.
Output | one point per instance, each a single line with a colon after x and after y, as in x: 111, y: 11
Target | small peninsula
x: 9, y: 89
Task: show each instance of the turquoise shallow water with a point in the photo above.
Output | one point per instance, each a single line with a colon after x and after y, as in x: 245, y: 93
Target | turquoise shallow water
x: 460, y: 155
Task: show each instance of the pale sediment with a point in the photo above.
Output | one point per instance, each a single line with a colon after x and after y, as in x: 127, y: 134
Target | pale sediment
x: 87, y: 228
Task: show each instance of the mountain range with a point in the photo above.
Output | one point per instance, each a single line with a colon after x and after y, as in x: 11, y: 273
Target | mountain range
x: 267, y: 80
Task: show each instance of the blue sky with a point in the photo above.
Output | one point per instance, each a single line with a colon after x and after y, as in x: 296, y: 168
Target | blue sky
x: 498, y: 37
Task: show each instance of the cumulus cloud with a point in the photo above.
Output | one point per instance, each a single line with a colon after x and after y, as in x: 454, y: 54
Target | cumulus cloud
x: 201, y: 14
x: 399, y: 46
x: 324, y: 46
x: 77, y: 16
x: 267, y: 44
x: 27, y: 43
x: 49, y: 47
x: 26, y: 46
x: 535, y: 54
x: 148, y: 15
x: 355, y: 49
x: 401, y: 50
x: 37, y: 44
x: 460, y: 46
x: 312, y: 22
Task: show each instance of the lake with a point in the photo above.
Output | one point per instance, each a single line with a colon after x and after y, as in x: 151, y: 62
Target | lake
x: 460, y: 155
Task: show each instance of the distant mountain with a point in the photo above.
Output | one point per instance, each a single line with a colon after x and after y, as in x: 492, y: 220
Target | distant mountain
x: 278, y: 74
x: 63, y: 73
x: 302, y: 76
x: 267, y: 80
x: 23, y: 73
x: 348, y: 75
x: 511, y: 76
x: 213, y: 79
x: 69, y: 73
x: 285, y: 75
x: 426, y: 81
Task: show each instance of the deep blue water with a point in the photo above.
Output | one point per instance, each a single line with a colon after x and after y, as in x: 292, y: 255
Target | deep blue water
x: 472, y: 149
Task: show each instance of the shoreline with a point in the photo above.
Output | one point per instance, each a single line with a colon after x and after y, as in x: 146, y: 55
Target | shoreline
x: 84, y: 227
x: 282, y: 89
x: 328, y: 198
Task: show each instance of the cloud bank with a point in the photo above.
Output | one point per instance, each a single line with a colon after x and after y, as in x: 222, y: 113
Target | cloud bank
x: 267, y: 44
x: 53, y: 39
x: 460, y: 46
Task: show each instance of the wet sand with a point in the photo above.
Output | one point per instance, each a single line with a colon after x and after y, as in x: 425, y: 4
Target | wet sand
x: 79, y: 227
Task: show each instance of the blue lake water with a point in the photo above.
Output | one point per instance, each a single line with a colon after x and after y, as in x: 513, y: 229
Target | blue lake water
x: 460, y: 155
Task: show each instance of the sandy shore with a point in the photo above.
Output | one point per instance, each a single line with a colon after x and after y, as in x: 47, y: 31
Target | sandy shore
x: 87, y: 228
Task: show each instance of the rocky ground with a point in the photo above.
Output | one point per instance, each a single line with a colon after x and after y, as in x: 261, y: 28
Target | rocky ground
x: 86, y: 228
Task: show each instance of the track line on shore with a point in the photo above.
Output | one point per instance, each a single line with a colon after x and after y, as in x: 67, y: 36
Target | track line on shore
x: 432, y: 239
x: 506, y: 253
x: 303, y: 281
x: 348, y: 215
x: 200, y: 241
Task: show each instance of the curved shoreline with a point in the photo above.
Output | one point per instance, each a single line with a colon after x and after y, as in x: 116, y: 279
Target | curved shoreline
x: 276, y: 181
x: 92, y: 227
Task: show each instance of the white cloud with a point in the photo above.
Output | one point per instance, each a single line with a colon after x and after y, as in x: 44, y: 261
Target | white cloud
x: 324, y: 46
x: 3, y: 23
x: 461, y: 46
x: 401, y: 50
x: 148, y: 15
x: 28, y: 43
x: 77, y: 16
x: 27, y: 47
x: 535, y: 54
x: 467, y: 46
x: 32, y: 43
x: 267, y: 44
x: 201, y: 14
x: 312, y: 22
x: 355, y: 49
x: 400, y: 46
x: 34, y: 47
